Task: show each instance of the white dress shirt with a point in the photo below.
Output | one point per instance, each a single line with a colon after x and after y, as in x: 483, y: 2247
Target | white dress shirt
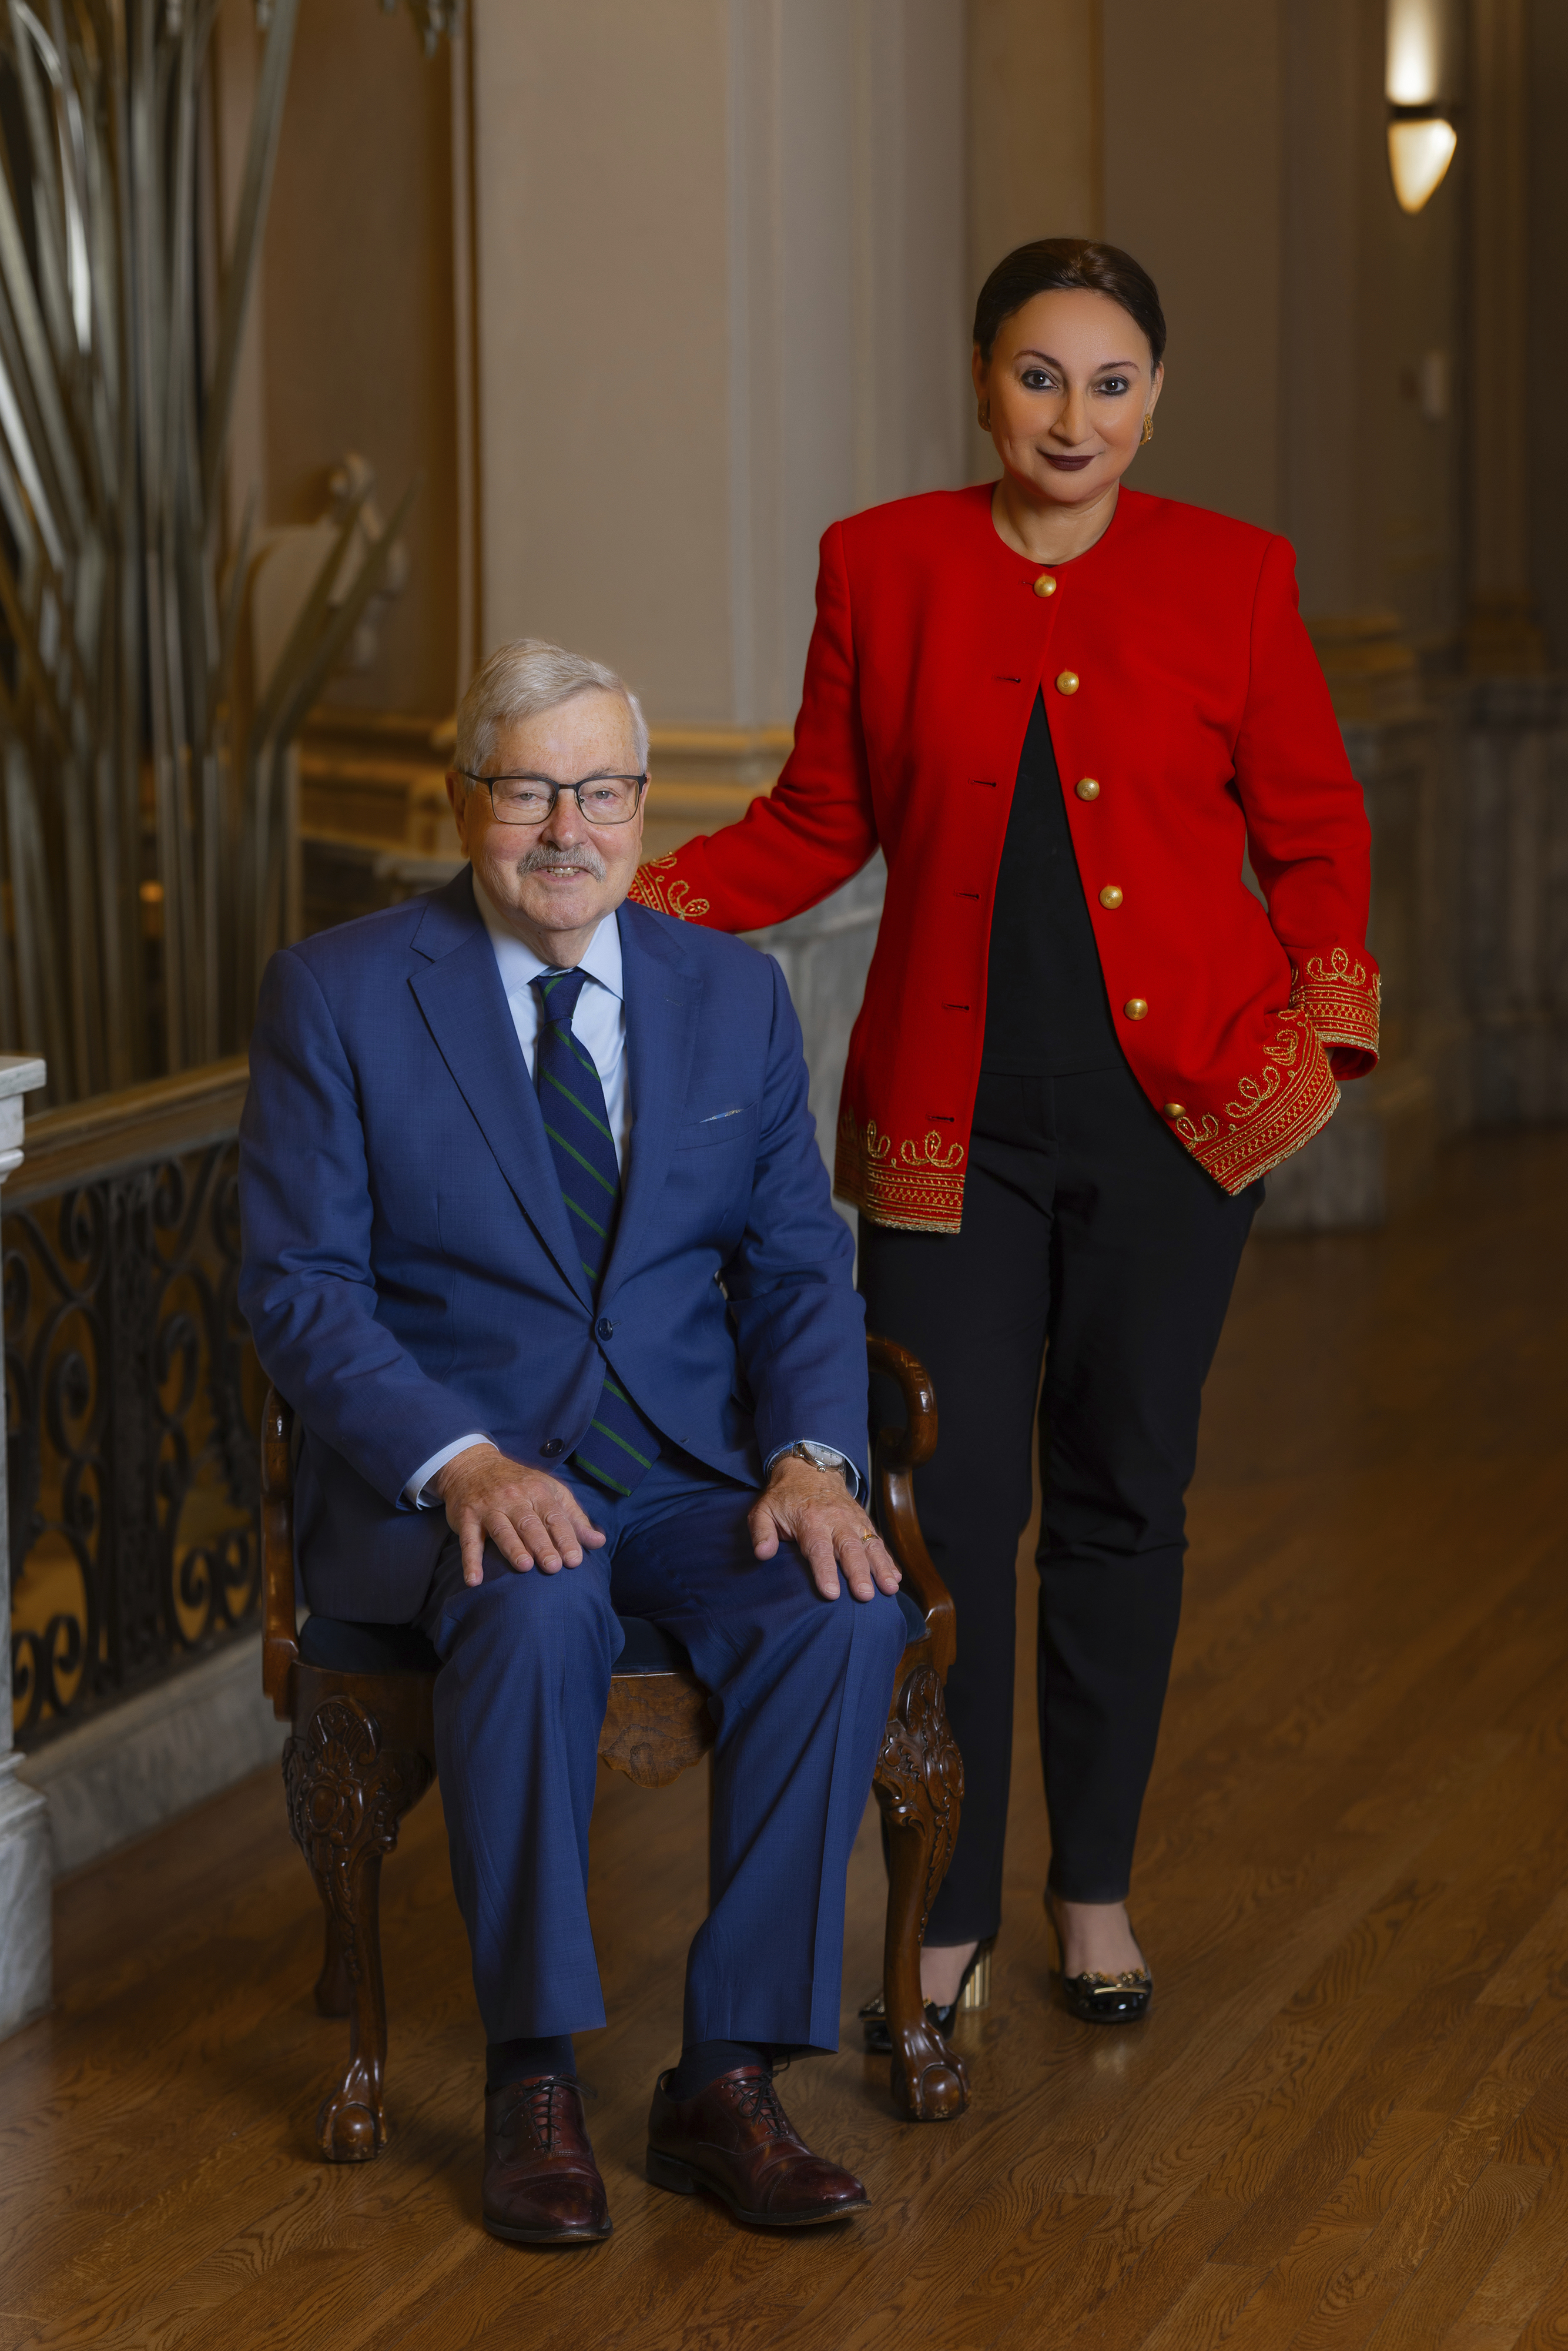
x: 598, y: 1024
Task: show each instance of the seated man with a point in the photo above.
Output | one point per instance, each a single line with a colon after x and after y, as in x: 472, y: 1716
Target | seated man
x: 539, y: 1246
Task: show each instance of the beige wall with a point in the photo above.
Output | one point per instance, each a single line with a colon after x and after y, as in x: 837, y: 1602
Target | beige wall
x: 1245, y: 165
x: 1370, y: 491
x: 719, y: 272
x: 1033, y: 125
x: 1193, y: 183
x: 599, y: 138
x: 356, y: 318
x: 1547, y: 364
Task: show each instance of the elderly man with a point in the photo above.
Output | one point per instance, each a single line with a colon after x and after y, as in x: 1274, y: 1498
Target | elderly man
x: 539, y: 1243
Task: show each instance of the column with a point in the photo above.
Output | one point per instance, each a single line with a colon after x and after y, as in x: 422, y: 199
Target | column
x: 25, y: 1871
x: 1502, y: 636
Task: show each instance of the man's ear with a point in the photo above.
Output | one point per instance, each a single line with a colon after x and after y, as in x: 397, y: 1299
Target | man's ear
x: 458, y: 794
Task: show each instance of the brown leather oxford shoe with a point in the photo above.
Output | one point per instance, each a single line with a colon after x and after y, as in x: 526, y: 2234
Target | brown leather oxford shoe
x: 542, y: 2184
x: 736, y: 2139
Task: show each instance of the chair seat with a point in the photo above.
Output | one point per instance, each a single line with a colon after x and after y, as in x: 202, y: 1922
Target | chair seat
x: 339, y: 1646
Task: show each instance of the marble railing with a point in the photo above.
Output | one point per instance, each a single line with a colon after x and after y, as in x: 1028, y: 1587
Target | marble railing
x: 25, y: 1859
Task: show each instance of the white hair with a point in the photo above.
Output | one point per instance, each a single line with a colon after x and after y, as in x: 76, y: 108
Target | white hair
x: 519, y: 681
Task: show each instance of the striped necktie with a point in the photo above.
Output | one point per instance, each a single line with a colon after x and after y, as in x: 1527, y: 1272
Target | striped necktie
x: 620, y: 1447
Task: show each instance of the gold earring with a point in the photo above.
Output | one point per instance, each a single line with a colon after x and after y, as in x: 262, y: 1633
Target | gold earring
x: 1148, y: 428
x: 983, y: 416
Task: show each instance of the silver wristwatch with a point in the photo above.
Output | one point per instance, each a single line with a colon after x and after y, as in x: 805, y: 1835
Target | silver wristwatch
x: 826, y: 1456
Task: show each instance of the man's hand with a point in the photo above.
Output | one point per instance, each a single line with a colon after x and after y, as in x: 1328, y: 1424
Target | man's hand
x: 532, y: 1519
x: 814, y: 1509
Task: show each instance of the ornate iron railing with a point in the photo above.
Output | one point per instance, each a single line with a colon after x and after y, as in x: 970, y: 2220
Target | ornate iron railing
x: 134, y: 1396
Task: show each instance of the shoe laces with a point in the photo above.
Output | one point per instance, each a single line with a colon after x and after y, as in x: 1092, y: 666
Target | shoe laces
x: 538, y: 2096
x: 758, y: 2102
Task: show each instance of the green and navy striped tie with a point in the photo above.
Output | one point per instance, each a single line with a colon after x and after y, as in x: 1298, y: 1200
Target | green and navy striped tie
x: 620, y: 1447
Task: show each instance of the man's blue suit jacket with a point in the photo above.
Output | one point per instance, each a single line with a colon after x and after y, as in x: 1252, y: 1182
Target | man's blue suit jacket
x: 410, y: 1274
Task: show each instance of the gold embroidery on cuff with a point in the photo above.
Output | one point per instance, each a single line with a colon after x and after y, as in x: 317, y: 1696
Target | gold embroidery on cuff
x: 1342, y: 1003
x: 651, y: 888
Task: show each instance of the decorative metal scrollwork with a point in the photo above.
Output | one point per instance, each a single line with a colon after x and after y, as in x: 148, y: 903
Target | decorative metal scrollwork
x: 133, y: 1405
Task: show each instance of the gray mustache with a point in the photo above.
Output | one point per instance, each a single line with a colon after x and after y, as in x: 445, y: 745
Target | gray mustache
x: 585, y: 859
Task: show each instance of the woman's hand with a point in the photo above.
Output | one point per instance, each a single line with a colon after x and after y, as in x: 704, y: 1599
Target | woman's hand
x: 814, y: 1509
x: 532, y: 1519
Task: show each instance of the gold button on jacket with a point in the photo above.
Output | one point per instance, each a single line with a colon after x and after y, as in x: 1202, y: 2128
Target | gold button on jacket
x: 1134, y: 1007
x: 1176, y: 1110
x: 1045, y: 585
x: 1067, y: 683
x: 1110, y: 895
x: 1087, y: 788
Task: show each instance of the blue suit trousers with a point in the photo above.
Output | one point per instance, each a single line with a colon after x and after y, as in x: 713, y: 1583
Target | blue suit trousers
x: 799, y: 1690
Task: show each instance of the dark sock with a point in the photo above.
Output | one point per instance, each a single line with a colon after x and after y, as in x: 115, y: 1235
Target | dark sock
x: 507, y: 2061
x: 703, y: 2062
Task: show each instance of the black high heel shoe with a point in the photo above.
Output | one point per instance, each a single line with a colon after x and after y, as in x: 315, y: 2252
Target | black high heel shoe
x: 974, y: 1992
x: 1099, y: 1998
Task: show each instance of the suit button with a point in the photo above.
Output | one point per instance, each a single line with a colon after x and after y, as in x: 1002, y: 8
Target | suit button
x: 603, y: 1327
x: 1087, y: 788
x: 553, y: 1448
x: 1110, y: 895
x: 1045, y: 585
x: 1176, y: 1110
x: 1134, y: 1007
x: 1067, y: 682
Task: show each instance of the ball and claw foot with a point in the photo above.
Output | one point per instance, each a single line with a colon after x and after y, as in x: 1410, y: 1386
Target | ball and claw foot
x: 352, y: 2125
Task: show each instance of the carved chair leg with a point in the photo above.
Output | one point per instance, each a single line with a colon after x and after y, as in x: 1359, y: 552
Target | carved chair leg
x: 334, y: 1986
x: 919, y: 1786
x: 346, y: 1796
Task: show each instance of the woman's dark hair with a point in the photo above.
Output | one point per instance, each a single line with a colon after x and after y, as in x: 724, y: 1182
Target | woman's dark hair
x: 1053, y: 265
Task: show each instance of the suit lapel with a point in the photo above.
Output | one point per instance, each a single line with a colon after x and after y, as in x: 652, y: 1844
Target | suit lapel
x: 466, y: 1009
x: 661, y: 1003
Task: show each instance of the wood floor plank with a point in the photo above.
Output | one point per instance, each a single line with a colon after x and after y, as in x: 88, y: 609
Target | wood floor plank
x: 1291, y: 2289
x: 1344, y: 2125
x: 1522, y: 2274
x: 1478, y: 2228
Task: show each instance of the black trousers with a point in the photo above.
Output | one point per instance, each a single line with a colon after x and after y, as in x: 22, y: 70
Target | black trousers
x: 1091, y: 1238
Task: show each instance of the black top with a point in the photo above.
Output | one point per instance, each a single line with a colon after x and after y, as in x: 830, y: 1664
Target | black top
x: 1046, y: 1013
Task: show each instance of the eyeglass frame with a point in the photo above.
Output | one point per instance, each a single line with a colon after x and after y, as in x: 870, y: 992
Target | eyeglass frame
x: 525, y: 776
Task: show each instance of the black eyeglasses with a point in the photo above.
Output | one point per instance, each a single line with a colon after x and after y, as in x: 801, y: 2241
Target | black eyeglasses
x: 530, y: 799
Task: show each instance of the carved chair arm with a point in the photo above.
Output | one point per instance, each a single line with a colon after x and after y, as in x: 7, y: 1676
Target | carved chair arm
x: 279, y: 1645
x: 896, y: 1454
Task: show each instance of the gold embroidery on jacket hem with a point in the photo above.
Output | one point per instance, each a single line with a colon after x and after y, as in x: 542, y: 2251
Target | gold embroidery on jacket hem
x: 1269, y: 1113
x: 1275, y: 1112
x: 921, y: 1191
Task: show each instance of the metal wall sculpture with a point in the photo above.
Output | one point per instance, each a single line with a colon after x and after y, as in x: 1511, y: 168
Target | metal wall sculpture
x: 128, y: 776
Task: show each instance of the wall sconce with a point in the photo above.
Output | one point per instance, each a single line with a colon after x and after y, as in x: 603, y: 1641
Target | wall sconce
x: 1420, y: 59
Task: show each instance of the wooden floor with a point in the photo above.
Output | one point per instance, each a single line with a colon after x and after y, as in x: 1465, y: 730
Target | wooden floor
x: 1345, y: 2123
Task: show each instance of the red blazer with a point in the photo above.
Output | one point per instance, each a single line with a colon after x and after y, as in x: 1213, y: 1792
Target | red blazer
x: 1191, y: 723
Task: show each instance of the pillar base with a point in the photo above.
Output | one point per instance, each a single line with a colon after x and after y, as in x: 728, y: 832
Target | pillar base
x: 26, y: 1921
x: 1377, y: 1151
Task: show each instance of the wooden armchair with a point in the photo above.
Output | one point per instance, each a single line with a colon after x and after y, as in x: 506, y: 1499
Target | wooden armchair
x: 362, y: 1752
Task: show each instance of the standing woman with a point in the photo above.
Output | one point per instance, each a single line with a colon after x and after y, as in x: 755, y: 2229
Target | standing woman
x: 1065, y: 711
